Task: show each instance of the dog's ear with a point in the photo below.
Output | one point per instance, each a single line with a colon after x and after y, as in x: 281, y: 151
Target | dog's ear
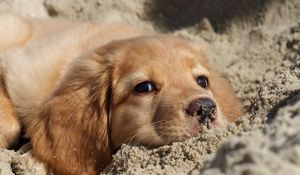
x: 70, y: 130
x: 225, y: 96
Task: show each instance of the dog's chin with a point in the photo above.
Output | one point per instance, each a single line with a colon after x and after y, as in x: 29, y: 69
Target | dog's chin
x: 165, y: 135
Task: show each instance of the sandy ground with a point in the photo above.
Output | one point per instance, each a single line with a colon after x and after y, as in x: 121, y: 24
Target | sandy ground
x: 255, y: 43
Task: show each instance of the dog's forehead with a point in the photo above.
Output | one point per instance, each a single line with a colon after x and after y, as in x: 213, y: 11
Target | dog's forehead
x: 161, y: 53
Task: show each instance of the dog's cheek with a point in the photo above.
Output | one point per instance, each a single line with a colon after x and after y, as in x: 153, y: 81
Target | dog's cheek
x: 170, y: 122
x: 125, y: 121
x: 132, y: 121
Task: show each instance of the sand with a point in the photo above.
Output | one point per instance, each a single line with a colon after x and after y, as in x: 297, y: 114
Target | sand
x: 273, y: 150
x: 255, y: 43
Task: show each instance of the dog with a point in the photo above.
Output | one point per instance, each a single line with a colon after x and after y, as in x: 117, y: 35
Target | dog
x: 81, y: 89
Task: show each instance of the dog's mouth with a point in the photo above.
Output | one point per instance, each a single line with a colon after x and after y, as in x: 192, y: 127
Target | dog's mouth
x: 195, y: 126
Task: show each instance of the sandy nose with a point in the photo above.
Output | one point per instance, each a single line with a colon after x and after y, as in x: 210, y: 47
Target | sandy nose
x: 202, y: 108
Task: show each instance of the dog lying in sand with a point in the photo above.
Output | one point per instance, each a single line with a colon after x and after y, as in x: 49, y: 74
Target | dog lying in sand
x: 81, y: 89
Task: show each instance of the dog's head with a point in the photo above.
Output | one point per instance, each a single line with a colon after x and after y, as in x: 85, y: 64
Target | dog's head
x: 163, y: 90
x: 147, y: 90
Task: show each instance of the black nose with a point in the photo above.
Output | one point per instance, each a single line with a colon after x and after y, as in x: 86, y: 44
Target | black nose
x: 203, y: 108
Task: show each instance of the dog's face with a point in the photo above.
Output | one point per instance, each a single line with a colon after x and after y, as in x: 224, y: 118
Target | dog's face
x: 162, y: 91
x: 147, y: 91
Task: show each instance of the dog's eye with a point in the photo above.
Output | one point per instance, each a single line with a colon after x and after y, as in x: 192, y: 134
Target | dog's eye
x: 202, y: 81
x: 145, y: 86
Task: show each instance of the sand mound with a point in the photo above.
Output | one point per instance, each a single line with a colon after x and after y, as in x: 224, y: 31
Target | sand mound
x: 256, y: 44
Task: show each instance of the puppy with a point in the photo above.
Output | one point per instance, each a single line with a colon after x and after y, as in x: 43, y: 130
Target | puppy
x: 81, y: 89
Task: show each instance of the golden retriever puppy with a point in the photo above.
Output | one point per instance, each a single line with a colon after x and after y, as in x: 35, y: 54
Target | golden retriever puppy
x: 81, y: 89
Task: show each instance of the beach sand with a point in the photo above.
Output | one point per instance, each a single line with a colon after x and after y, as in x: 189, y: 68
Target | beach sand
x: 254, y: 43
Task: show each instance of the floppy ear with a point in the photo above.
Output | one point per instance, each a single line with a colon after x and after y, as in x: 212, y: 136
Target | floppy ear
x: 70, y: 130
x: 225, y: 96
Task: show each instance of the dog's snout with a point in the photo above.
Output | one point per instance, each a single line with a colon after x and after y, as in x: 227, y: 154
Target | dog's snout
x: 202, y: 108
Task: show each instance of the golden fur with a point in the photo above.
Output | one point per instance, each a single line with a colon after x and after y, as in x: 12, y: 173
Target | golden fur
x: 71, y: 86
